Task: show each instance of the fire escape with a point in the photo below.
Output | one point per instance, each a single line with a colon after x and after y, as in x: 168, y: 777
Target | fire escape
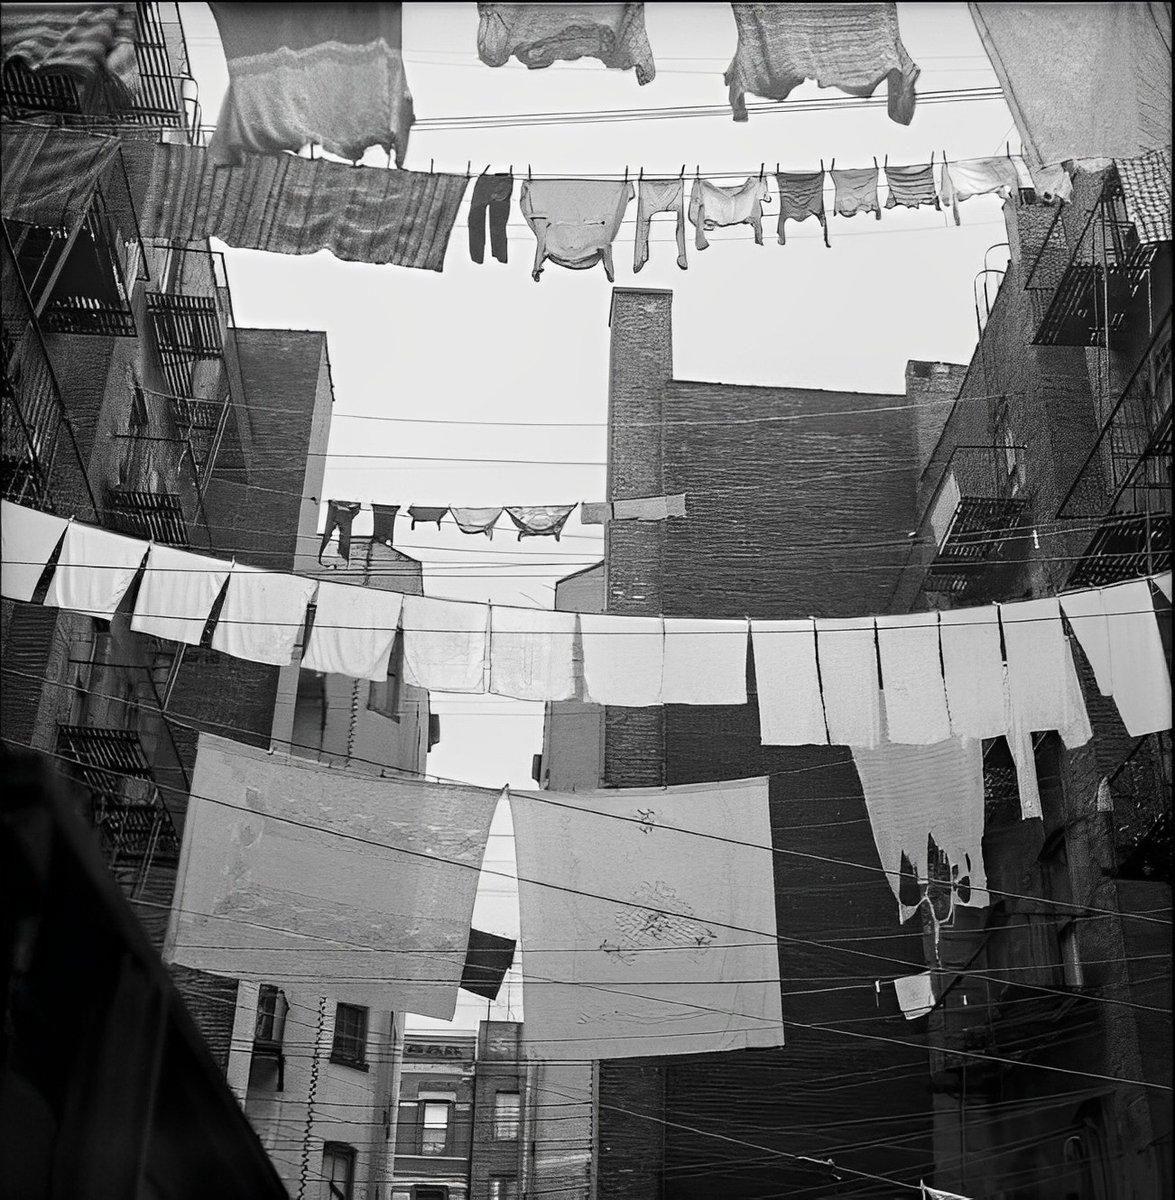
x: 1108, y: 291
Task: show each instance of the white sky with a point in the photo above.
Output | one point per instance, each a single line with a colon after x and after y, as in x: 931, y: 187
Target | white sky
x: 488, y: 344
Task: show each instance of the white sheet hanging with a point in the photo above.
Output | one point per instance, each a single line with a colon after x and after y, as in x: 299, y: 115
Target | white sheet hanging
x: 973, y: 670
x: 177, y: 594
x: 705, y: 661
x: 532, y: 653
x: 262, y: 615
x: 28, y: 538
x: 1141, y: 679
x: 911, y: 679
x: 617, y: 916
x: 1086, y: 614
x: 791, y: 712
x: 847, y: 651
x: 353, y: 632
x: 623, y: 659
x: 445, y: 644
x: 94, y: 570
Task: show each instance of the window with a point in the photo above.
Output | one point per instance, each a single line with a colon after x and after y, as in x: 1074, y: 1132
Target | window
x: 434, y: 1126
x: 503, y: 1187
x: 271, y: 1014
x: 507, y: 1107
x: 350, y: 1044
x: 138, y: 419
x: 338, y: 1171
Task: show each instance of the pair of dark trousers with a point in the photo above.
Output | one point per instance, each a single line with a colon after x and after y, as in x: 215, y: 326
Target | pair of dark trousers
x: 492, y: 193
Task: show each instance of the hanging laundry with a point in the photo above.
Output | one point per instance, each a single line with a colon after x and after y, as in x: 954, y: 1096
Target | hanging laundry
x: 339, y: 515
x: 290, y: 205
x: 791, y: 712
x: 540, y: 520
x: 445, y: 644
x: 650, y: 508
x: 847, y: 650
x: 1141, y: 679
x: 856, y: 191
x: 177, y: 594
x: 487, y: 959
x: 350, y: 886
x: 50, y: 174
x: 1146, y: 186
x: 915, y: 994
x: 912, y: 685
x: 610, y: 891
x: 1053, y: 184
x: 913, y: 793
x: 491, y: 202
x: 711, y: 207
x: 801, y: 195
x: 532, y: 653
x: 1086, y: 614
x: 973, y: 670
x: 263, y: 614
x: 593, y: 513
x: 977, y: 177
x: 476, y: 520
x: 353, y: 631
x: 931, y: 1193
x: 312, y: 74
x: 384, y: 524
x: 623, y: 659
x: 705, y: 661
x: 91, y: 44
x: 654, y: 196
x: 1084, y: 81
x: 541, y: 34
x: 575, y: 221
x: 852, y: 47
x: 426, y: 515
x: 94, y: 570
x: 911, y: 186
x: 28, y: 538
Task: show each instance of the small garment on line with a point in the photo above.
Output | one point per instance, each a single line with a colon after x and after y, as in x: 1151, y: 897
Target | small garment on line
x: 847, y: 651
x: 911, y: 186
x: 532, y: 653
x: 351, y: 886
x: 540, y: 520
x: 913, y: 793
x: 94, y: 570
x: 616, y: 889
x: 541, y: 34
x: 595, y: 512
x: 426, y: 515
x: 791, y: 712
x: 302, y: 74
x: 852, y: 47
x: 856, y: 191
x: 383, y: 525
x: 705, y: 661
x: 263, y: 614
x: 649, y: 508
x: 445, y: 644
x: 801, y: 195
x: 476, y: 520
x: 623, y: 659
x: 339, y: 515
x: 490, y: 203
x: 654, y: 196
x: 353, y: 631
x: 977, y: 177
x: 711, y: 207
x: 912, y: 686
x: 487, y: 959
x: 177, y: 594
x: 915, y: 994
x: 28, y: 538
x: 575, y: 221
x: 973, y: 670
x: 1141, y: 679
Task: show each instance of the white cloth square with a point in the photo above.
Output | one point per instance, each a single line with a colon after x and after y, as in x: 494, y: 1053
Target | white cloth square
x: 94, y: 570
x: 791, y: 712
x: 1141, y: 679
x: 610, y: 892
x: 915, y: 994
x: 532, y: 653
x: 705, y: 661
x: 353, y: 632
x: 1040, y: 689
x: 262, y: 615
x: 847, y: 651
x: 177, y: 594
x: 973, y: 670
x: 352, y: 886
x: 445, y: 644
x: 911, y: 679
x: 623, y: 659
x: 1086, y: 614
x: 28, y: 538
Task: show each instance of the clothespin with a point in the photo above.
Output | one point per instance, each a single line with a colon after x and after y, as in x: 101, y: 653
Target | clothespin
x: 877, y: 989
x: 430, y: 163
x: 777, y: 168
x: 832, y: 167
x: 626, y: 173
x: 762, y: 171
x: 697, y: 171
x: 1008, y: 147
x: 641, y: 175
x: 682, y: 175
x: 528, y: 174
x: 887, y: 160
x: 468, y: 168
x: 875, y: 162
x: 822, y: 164
x: 932, y: 153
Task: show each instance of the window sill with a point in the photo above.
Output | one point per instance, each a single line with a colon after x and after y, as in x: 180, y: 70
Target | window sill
x: 354, y: 1064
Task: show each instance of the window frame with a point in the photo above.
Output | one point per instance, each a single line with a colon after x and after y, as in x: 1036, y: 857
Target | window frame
x: 422, y: 1128
x: 339, y: 1152
x: 347, y: 1048
x: 498, y: 1118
